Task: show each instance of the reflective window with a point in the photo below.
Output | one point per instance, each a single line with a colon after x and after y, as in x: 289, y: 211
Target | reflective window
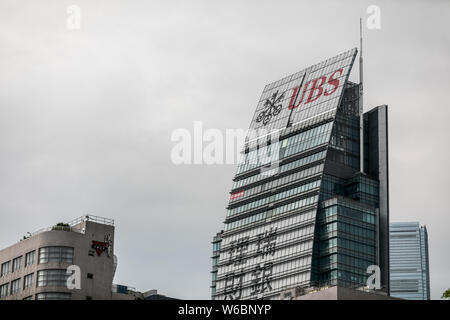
x: 16, y: 264
x: 53, y: 296
x: 29, y: 258
x: 15, y: 286
x: 28, y: 281
x: 52, y: 278
x: 4, y: 290
x: 6, y: 268
x: 56, y: 254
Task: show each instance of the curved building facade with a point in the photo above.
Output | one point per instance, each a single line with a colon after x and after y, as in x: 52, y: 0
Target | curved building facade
x: 36, y: 267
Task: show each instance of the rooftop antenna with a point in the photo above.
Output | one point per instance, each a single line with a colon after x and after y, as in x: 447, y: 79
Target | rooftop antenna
x: 361, y: 107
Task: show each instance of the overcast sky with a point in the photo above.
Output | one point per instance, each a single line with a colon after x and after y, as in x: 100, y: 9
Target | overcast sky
x: 86, y: 116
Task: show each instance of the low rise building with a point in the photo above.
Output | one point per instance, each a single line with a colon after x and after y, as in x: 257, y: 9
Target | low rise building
x: 68, y: 261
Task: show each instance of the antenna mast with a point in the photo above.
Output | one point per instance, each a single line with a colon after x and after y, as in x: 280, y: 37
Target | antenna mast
x: 361, y: 108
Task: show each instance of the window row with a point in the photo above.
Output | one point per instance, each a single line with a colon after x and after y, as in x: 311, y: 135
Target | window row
x: 274, y: 269
x: 56, y: 254
x: 308, y: 144
x: 279, y: 254
x: 15, y: 286
x: 283, y: 168
x: 50, y: 296
x: 216, y: 246
x: 52, y: 278
x: 263, y: 215
x: 15, y: 264
x: 266, y: 154
x: 262, y: 286
x: 46, y: 254
x: 53, y: 296
x: 322, y: 106
x: 270, y: 185
x: 276, y: 237
x: 279, y: 225
x: 273, y: 198
x: 356, y: 214
x: 347, y: 228
x: 344, y: 277
x: 356, y: 246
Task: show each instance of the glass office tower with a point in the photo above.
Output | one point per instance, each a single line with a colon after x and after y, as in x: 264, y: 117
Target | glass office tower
x: 302, y: 211
x: 410, y: 271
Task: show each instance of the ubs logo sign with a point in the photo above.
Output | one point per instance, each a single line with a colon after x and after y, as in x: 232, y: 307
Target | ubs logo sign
x: 316, y: 90
x: 272, y: 107
x: 301, y: 95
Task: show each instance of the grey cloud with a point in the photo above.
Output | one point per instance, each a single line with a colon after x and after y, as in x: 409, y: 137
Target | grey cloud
x: 86, y: 116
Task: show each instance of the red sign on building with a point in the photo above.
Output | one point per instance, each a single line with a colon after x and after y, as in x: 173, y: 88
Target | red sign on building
x: 236, y: 195
x: 99, y: 246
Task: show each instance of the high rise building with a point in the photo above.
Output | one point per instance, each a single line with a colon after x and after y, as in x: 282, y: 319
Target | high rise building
x: 308, y: 208
x: 410, y: 271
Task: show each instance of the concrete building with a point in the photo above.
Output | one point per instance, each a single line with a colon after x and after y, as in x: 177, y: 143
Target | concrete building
x: 36, y: 267
x: 410, y: 270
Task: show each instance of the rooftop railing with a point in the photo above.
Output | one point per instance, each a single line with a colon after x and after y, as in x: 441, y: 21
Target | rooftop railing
x: 70, y: 226
x: 96, y: 219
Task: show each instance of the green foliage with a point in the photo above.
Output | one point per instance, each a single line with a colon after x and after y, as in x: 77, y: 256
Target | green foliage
x: 61, y: 226
x: 446, y: 294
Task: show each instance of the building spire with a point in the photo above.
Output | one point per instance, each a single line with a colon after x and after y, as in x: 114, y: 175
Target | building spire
x: 360, y: 55
x: 361, y: 106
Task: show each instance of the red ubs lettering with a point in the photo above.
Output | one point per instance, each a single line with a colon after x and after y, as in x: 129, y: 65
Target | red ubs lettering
x: 316, y: 89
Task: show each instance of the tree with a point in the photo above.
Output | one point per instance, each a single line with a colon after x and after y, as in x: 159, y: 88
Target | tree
x: 446, y: 294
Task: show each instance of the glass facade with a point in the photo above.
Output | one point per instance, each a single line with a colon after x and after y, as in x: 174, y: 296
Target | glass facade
x: 56, y: 254
x: 52, y: 278
x: 410, y: 271
x: 347, y: 242
x: 217, y: 242
x: 301, y: 211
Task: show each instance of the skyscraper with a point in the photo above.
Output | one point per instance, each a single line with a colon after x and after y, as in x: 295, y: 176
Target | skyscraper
x: 308, y: 207
x: 410, y: 271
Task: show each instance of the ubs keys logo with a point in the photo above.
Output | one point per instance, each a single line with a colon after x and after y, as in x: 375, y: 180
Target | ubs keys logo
x: 272, y: 108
